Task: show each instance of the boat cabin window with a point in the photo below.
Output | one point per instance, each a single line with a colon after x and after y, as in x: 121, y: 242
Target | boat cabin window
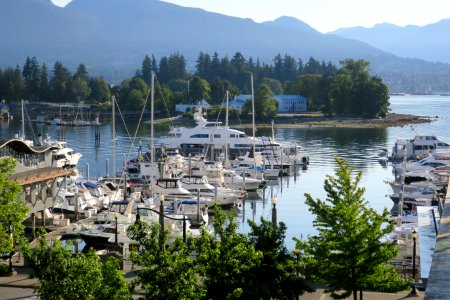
x: 424, y: 147
x: 242, y: 135
x: 200, y: 136
x: 232, y: 135
x: 217, y: 136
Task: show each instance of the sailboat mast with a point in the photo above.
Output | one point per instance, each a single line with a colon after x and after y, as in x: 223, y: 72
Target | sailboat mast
x: 152, y: 143
x: 113, y: 99
x: 152, y: 104
x: 226, y: 112
x: 226, y: 136
x: 23, y: 120
x: 253, y: 115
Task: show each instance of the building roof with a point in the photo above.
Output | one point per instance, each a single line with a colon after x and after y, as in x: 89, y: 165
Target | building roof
x: 21, y: 146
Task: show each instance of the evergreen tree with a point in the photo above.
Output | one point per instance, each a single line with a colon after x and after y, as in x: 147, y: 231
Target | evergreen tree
x: 59, y: 83
x: 166, y: 274
x: 348, y: 253
x: 146, y: 70
x: 277, y: 276
x: 44, y: 84
x: 227, y: 259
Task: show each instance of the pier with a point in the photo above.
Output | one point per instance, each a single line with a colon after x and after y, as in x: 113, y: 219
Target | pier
x: 438, y: 285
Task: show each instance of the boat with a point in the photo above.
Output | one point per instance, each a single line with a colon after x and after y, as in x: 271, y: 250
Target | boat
x: 213, y: 194
x: 439, y: 158
x: 65, y: 157
x: 418, y: 147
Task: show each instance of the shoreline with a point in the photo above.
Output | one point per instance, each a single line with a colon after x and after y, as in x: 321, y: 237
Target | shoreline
x: 391, y: 120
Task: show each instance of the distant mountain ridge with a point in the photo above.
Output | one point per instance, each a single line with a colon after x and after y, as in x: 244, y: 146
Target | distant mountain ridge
x: 428, y: 42
x: 111, y: 37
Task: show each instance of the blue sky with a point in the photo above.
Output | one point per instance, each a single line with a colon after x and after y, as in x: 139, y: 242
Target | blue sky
x: 327, y: 15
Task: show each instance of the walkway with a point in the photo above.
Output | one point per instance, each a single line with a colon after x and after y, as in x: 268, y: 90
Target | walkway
x: 438, y: 286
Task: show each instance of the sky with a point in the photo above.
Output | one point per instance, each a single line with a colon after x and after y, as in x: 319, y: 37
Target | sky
x: 327, y: 15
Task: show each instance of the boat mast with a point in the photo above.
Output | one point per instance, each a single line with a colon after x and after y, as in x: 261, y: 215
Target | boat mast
x: 226, y: 135
x: 23, y: 120
x: 113, y: 99
x: 152, y: 145
x: 253, y: 120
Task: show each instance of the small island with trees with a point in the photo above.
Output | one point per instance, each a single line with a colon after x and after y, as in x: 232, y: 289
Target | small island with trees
x: 334, y: 95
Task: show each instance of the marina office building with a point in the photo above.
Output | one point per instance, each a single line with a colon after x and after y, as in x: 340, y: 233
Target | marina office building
x: 286, y: 103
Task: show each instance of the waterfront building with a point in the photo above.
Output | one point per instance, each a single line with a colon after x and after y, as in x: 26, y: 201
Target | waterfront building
x: 286, y: 103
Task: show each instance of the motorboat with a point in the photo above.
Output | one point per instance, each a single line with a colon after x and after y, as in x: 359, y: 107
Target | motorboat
x: 418, y: 147
x: 213, y: 194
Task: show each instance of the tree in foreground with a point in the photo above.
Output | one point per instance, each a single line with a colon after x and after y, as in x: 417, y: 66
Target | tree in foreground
x: 348, y: 254
x: 13, y: 209
x: 278, y: 274
x: 226, y: 259
x: 165, y: 274
x: 65, y: 276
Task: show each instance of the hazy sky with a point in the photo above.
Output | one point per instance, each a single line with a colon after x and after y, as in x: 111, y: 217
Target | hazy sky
x: 327, y: 15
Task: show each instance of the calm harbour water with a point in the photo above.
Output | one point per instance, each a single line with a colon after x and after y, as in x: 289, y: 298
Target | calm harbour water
x: 356, y: 145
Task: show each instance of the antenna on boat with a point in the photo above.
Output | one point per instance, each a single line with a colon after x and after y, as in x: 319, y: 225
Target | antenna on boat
x: 414, y: 130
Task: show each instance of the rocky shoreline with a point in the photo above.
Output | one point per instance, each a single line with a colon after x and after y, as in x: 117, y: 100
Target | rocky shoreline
x: 391, y: 120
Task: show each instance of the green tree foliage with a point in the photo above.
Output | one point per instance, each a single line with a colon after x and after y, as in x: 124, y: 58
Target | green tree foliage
x: 13, y: 209
x: 354, y: 92
x: 65, y: 276
x: 347, y: 254
x: 31, y: 75
x: 59, y: 83
x: 199, y: 89
x: 226, y: 259
x: 265, y: 105
x: 314, y: 87
x: 168, y: 274
x: 133, y: 94
x: 171, y: 68
x: 100, y: 90
x: 277, y: 276
x: 12, y: 84
x: 275, y: 85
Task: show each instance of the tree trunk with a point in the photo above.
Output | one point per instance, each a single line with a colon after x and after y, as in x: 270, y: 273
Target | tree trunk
x: 360, y: 294
x: 355, y: 294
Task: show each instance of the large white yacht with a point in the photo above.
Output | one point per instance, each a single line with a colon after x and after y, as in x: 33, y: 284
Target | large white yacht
x: 212, y: 137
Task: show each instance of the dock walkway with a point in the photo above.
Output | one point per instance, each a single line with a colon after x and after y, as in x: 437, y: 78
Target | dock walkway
x: 438, y: 285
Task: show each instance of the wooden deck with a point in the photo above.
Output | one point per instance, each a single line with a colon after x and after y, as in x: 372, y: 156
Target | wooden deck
x: 438, y: 285
x: 40, y: 175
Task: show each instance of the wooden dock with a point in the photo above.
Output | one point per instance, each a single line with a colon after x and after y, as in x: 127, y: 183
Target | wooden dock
x: 438, y: 285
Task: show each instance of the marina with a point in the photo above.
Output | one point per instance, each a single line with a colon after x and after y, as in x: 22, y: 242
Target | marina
x: 358, y: 146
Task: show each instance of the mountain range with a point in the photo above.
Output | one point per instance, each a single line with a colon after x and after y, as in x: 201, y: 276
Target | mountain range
x: 111, y: 37
x: 428, y: 42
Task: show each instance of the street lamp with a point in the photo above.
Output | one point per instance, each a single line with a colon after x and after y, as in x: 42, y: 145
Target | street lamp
x: 116, y: 216
x: 161, y: 221
x: 274, y: 211
x: 413, y: 290
x: 11, y: 230
x: 161, y: 211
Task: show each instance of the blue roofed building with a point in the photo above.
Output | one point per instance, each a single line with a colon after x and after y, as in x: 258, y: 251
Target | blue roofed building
x: 286, y: 103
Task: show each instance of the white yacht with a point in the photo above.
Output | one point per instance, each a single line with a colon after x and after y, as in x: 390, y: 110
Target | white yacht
x: 418, y: 147
x: 220, y: 195
x: 213, y: 137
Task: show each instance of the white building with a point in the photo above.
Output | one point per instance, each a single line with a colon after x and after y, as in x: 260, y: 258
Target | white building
x: 286, y: 103
x: 187, y: 107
